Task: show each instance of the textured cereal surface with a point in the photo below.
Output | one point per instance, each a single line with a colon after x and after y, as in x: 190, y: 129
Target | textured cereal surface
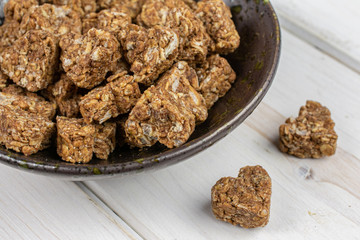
x: 179, y: 81
x: 32, y: 60
x: 216, y: 17
x: 168, y: 111
x: 9, y: 33
x: 58, y: 20
x: 24, y: 132
x: 215, y: 78
x: 244, y: 200
x: 126, y: 91
x: 158, y: 117
x: 15, y: 97
x: 133, y: 7
x: 311, y: 134
x: 15, y: 10
x: 117, y: 97
x: 87, y: 59
x: 98, y: 105
x: 105, y: 140
x: 75, y: 140
x: 149, y: 51
x: 81, y: 6
x: 175, y: 14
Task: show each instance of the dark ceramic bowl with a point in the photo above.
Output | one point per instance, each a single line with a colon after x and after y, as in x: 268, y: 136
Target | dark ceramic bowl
x: 255, y: 63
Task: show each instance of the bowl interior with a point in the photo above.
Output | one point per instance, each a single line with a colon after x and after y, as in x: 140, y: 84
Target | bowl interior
x: 255, y: 64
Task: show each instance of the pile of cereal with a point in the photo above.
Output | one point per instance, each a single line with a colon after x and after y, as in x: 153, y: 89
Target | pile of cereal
x: 82, y: 69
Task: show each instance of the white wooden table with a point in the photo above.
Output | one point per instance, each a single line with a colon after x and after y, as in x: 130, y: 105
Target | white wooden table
x: 312, y: 199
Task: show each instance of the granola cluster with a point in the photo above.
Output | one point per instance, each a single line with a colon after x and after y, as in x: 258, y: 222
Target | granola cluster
x: 216, y: 17
x: 15, y: 97
x: 215, y: 78
x: 311, y: 134
x: 24, y: 132
x: 149, y: 51
x: 81, y: 6
x: 57, y: 20
x: 77, y: 141
x: 116, y: 97
x: 168, y: 111
x: 31, y: 61
x: 102, y: 73
x: 87, y: 58
x: 244, y: 200
x: 112, y: 20
x: 175, y: 14
x: 15, y: 10
x: 9, y: 33
x: 132, y: 7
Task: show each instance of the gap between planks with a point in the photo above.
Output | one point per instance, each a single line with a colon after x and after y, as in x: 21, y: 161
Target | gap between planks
x: 126, y: 228
x: 317, y: 42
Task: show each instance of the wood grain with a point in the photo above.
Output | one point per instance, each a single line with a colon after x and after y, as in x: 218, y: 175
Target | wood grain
x: 312, y: 199
x: 330, y: 25
x: 37, y: 207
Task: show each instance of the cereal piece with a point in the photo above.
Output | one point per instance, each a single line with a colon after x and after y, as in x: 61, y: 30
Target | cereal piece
x: 87, y: 59
x: 117, y: 97
x: 81, y: 6
x: 126, y: 92
x: 9, y: 33
x: 133, y: 7
x: 75, y: 140
x: 149, y: 51
x: 66, y: 97
x: 244, y: 200
x: 58, y: 20
x: 216, y: 17
x: 215, y: 79
x: 15, y: 97
x: 158, y: 117
x: 179, y: 82
x: 175, y: 14
x: 16, y: 9
x: 98, y: 105
x: 24, y: 132
x: 32, y: 60
x: 168, y: 112
x: 113, y: 20
x: 311, y: 134
x: 104, y: 140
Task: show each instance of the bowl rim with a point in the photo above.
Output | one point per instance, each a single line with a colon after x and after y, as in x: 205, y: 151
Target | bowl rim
x: 80, y: 172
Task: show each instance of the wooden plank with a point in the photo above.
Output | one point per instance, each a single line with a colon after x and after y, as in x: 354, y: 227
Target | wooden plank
x: 330, y: 25
x: 312, y: 199
x: 37, y: 207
